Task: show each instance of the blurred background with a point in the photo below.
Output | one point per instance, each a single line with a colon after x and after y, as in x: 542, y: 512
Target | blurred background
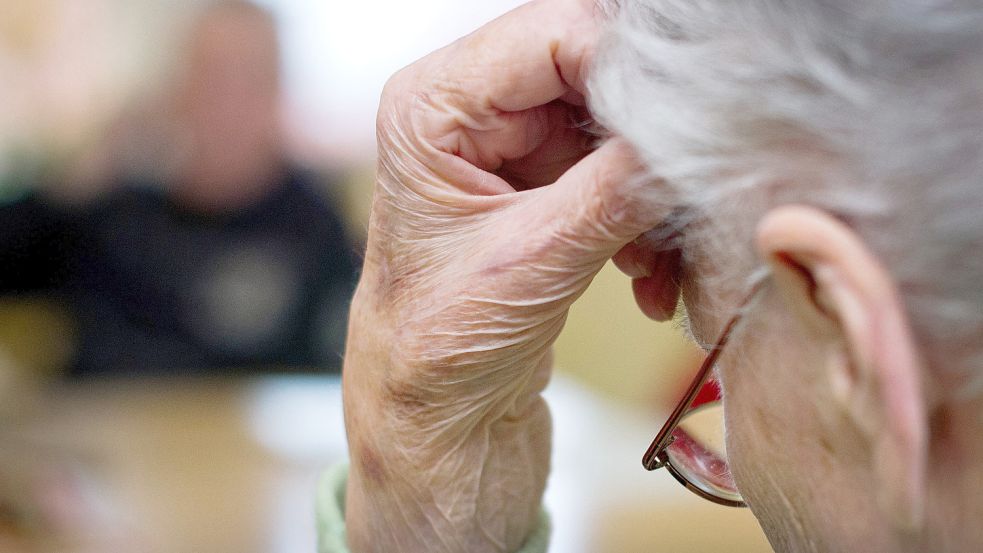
x: 184, y: 189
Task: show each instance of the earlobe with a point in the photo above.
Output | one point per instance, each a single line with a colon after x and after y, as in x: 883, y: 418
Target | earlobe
x: 834, y: 284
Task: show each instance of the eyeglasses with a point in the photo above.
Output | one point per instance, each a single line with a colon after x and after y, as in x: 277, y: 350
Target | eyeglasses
x: 691, y: 443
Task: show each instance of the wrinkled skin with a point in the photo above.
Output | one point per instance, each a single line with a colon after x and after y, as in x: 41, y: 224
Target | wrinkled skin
x: 492, y: 213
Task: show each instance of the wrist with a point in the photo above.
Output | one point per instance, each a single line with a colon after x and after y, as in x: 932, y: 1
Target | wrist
x: 436, y: 468
x: 481, y: 494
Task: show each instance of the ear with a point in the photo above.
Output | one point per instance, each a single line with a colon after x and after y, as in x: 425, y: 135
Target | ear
x: 830, y: 279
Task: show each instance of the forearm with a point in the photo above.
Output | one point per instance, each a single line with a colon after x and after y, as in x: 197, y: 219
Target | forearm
x: 482, y: 496
x: 434, y: 468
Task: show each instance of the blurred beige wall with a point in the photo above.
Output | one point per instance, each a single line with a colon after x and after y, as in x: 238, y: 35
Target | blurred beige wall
x: 610, y: 345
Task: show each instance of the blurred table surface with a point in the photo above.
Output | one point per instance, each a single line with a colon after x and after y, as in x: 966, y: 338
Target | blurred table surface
x: 231, y: 466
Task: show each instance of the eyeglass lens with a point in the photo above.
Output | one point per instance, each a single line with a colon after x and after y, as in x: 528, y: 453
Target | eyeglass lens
x: 698, y: 453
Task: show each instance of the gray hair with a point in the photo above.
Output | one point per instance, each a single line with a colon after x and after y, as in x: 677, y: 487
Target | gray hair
x: 870, y: 110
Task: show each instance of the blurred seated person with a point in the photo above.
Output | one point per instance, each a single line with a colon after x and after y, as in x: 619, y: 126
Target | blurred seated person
x: 231, y: 259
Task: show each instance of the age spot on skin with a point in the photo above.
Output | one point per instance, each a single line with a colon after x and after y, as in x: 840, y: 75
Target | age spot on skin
x: 405, y: 399
x: 826, y: 446
x: 370, y: 465
x: 764, y: 421
x: 941, y: 425
x: 389, y: 286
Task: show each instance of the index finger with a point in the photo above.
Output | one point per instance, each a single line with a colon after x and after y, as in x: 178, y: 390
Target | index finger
x: 485, y: 97
x: 528, y: 57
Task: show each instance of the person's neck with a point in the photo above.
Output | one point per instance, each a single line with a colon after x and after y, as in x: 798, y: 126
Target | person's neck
x: 217, y: 189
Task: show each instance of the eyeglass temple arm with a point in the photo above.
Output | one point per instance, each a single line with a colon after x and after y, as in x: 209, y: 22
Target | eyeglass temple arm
x: 664, y: 438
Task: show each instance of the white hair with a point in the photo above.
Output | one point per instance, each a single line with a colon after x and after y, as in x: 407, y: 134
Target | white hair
x: 870, y: 110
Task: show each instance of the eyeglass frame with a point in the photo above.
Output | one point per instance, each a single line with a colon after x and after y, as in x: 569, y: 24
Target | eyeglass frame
x: 657, y: 456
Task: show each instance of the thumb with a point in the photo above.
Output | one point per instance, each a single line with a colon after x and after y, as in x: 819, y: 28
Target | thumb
x: 600, y: 204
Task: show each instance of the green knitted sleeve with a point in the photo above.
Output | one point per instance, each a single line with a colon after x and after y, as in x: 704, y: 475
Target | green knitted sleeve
x: 331, y: 516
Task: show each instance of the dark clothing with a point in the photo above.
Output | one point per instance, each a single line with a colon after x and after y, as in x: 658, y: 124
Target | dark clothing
x: 159, y: 289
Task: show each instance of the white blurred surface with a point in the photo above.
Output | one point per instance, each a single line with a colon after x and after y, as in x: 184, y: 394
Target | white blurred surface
x: 597, y: 450
x: 339, y: 55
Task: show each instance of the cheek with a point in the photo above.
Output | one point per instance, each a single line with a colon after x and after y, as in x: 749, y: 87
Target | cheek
x: 761, y: 433
x: 769, y: 413
x: 770, y: 390
x: 775, y: 433
x: 753, y: 430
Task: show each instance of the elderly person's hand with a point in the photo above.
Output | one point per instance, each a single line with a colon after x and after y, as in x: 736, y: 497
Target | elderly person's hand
x: 491, y: 215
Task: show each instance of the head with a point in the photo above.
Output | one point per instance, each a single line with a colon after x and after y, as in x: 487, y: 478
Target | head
x: 227, y: 97
x: 836, y: 145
